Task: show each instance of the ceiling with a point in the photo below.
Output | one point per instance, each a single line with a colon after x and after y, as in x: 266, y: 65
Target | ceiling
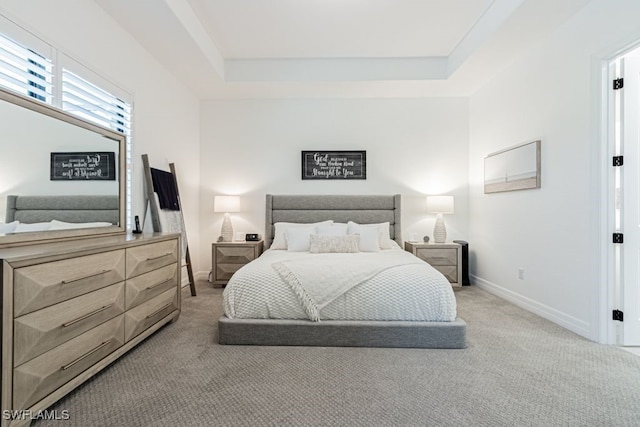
x: 337, y: 48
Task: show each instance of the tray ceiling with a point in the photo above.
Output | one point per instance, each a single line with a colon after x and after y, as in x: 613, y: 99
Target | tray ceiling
x: 337, y: 48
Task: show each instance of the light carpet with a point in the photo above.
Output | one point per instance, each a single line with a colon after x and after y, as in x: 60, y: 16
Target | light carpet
x: 518, y: 370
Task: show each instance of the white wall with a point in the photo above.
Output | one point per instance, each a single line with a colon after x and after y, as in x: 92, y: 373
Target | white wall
x: 166, y: 115
x: 549, y: 93
x: 414, y: 147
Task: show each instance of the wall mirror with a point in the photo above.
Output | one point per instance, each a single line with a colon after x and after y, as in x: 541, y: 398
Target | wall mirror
x: 514, y: 168
x: 59, y: 159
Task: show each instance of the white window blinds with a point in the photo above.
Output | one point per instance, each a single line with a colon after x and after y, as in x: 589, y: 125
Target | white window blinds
x: 86, y: 100
x: 25, y: 71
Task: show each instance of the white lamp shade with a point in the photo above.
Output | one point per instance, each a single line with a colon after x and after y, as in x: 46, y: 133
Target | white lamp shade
x: 226, y: 204
x: 440, y: 204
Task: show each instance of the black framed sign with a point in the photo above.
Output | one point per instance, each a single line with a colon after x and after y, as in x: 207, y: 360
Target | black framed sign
x: 83, y: 166
x: 334, y: 165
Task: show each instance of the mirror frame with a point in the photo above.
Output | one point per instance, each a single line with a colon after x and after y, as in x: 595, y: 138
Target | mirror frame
x: 19, y: 239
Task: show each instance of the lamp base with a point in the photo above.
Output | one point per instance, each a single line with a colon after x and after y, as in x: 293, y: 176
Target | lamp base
x: 227, y: 229
x: 439, y: 230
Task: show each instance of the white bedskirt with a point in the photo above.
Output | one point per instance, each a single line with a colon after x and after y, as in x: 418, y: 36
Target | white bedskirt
x: 409, y: 291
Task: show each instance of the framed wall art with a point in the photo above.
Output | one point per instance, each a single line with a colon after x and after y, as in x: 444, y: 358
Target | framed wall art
x: 334, y: 164
x: 83, y: 166
x: 514, y: 168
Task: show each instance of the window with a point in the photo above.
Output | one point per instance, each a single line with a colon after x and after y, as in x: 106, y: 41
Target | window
x: 25, y: 71
x: 32, y: 74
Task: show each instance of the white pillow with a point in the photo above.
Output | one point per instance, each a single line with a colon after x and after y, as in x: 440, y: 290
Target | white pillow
x: 332, y: 230
x: 8, y: 227
x: 61, y: 225
x: 347, y: 243
x: 279, y: 238
x: 384, y: 237
x: 369, y: 238
x: 298, y: 238
x: 36, y: 226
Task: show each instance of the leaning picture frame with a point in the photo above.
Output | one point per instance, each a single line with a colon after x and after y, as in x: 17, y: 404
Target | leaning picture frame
x: 514, y: 168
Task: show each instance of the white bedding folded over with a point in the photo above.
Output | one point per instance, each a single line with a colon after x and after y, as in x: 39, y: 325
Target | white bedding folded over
x: 396, y: 286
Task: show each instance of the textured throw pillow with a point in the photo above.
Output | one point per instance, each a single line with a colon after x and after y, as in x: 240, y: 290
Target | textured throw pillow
x: 348, y: 243
x: 8, y: 227
x: 279, y: 238
x: 298, y: 238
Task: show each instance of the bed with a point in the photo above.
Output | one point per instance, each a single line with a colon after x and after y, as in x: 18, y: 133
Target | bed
x: 47, y: 213
x: 311, y: 325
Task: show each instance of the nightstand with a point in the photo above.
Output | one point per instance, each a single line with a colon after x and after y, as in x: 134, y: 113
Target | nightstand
x: 444, y: 257
x: 228, y: 257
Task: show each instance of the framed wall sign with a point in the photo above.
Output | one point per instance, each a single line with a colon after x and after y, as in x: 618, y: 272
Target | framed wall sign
x: 334, y: 164
x: 514, y: 168
x: 83, y: 166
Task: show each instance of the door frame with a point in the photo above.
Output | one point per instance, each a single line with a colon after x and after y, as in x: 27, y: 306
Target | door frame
x: 606, y: 297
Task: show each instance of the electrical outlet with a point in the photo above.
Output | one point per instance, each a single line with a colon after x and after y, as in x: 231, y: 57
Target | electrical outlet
x: 521, y: 273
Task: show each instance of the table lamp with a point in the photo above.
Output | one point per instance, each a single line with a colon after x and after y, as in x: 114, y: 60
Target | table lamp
x: 226, y: 205
x: 439, y: 205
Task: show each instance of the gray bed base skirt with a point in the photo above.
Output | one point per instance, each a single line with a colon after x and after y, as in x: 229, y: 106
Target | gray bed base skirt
x: 342, y: 333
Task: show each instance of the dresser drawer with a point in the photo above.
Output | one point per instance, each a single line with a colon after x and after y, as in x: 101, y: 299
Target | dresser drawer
x: 42, y: 285
x: 439, y: 256
x: 40, y: 376
x: 142, y: 259
x: 42, y: 330
x: 139, y: 318
x: 146, y: 286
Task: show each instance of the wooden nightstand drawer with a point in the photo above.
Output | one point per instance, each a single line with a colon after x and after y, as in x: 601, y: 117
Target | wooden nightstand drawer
x: 234, y: 254
x: 448, y: 271
x: 229, y: 257
x: 438, y: 256
x: 444, y: 257
x: 225, y: 271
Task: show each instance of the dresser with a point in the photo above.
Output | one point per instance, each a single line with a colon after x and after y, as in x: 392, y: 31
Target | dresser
x: 444, y: 257
x: 228, y: 257
x: 71, y: 308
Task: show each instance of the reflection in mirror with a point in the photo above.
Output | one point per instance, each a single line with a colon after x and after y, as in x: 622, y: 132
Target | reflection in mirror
x: 58, y: 174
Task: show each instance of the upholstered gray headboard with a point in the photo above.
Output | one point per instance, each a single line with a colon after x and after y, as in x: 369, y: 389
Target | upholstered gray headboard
x: 313, y: 208
x: 30, y: 209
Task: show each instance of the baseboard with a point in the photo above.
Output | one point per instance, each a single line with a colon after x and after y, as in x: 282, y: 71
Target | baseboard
x: 569, y: 322
x: 202, y: 275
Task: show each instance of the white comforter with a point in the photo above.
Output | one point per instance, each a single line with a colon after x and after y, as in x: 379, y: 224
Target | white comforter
x: 387, y: 285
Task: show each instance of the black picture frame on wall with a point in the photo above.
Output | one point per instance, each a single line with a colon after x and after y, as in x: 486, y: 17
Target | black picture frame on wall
x: 83, y: 166
x: 344, y: 165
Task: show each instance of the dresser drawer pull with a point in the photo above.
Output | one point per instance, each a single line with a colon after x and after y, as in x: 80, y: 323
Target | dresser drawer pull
x: 159, y: 256
x: 159, y: 310
x: 158, y: 284
x: 86, y: 316
x: 84, y: 277
x: 87, y: 354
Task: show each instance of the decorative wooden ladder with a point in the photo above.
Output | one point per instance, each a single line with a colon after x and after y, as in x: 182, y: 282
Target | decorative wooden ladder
x: 156, y: 212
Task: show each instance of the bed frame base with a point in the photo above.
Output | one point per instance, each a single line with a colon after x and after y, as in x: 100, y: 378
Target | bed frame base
x: 342, y: 333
